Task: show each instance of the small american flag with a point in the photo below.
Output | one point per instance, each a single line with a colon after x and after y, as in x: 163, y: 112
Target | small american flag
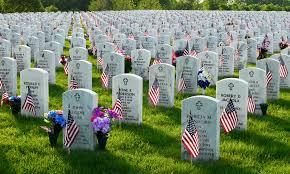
x: 157, y: 61
x: 229, y: 117
x: 187, y: 36
x: 71, y: 131
x: 229, y: 38
x: 100, y: 59
x: 5, y: 96
x: 94, y: 50
x: 222, y: 59
x: 283, y: 69
x: 118, y: 105
x: 251, y: 103
x: 266, y: 42
x: 193, y: 53
x: 154, y: 92
x: 65, y: 68
x: 181, y: 83
x: 119, y: 51
x: 105, y: 77
x: 269, y: 75
x: 237, y: 54
x: 190, y: 139
x: 186, y: 50
x: 73, y: 84
x: 29, y: 105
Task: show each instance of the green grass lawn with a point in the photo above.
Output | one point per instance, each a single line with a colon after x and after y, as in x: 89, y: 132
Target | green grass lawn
x: 152, y: 148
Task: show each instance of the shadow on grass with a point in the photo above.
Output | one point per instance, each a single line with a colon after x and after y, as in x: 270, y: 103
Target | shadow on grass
x: 282, y: 103
x: 269, y: 148
x: 223, y: 166
x: 5, y: 166
x: 276, y: 123
x: 161, y: 142
x: 82, y: 161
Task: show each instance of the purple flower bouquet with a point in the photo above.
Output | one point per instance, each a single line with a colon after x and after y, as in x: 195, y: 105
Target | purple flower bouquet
x: 101, y: 123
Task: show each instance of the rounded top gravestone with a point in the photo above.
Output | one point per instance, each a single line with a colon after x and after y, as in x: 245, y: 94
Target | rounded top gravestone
x: 80, y: 103
x: 205, y: 113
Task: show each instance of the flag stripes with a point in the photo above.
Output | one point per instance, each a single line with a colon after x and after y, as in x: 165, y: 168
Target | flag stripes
x: 118, y: 105
x: 28, y: 104
x: 190, y: 139
x: 251, y: 103
x: 269, y: 75
x: 229, y: 118
x: 154, y: 92
x: 283, y: 69
x: 181, y: 83
x: 71, y: 131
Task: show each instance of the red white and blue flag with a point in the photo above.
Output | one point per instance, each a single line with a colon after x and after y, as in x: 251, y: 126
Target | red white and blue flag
x: 71, y: 131
x: 269, y: 75
x: 154, y: 92
x: 105, y: 77
x: 266, y: 42
x: 229, y: 117
x: 28, y: 104
x: 73, y: 83
x: 5, y: 96
x: 186, y: 51
x: 251, y: 103
x: 190, y: 138
x: 283, y: 69
x: 118, y: 106
x: 181, y: 83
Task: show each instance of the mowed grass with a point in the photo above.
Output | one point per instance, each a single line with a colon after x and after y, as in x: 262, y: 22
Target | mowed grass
x: 153, y: 147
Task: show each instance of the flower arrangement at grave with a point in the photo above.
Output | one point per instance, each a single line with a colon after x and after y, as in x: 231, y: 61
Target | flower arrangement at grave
x: 177, y: 54
x: 128, y: 63
x: 203, y: 79
x: 283, y: 44
x: 102, y: 120
x: 56, y: 123
x: 13, y: 101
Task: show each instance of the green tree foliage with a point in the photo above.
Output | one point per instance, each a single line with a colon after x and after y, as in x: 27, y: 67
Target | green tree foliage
x: 166, y: 4
x: 98, y: 5
x: 123, y: 4
x: 149, y: 4
x: 10, y: 6
x: 51, y: 8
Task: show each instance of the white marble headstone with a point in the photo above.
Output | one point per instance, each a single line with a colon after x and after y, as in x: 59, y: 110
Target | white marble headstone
x: 205, y: 112
x: 129, y: 89
x: 237, y: 90
x: 36, y: 80
x: 80, y: 103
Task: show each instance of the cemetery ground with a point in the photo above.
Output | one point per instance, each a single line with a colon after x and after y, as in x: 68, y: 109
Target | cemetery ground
x: 153, y: 147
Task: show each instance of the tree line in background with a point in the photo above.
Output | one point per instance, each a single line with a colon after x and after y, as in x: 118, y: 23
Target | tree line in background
x: 9, y: 6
